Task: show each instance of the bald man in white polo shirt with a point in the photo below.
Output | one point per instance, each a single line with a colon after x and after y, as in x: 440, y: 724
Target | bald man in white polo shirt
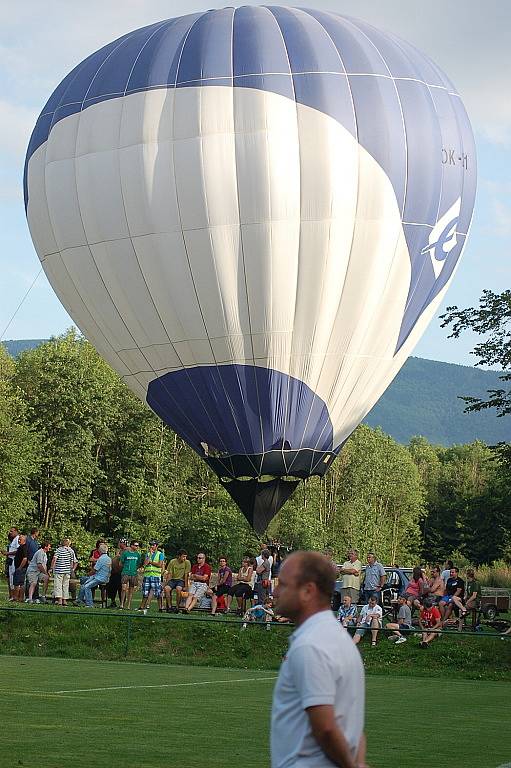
x: 318, y: 701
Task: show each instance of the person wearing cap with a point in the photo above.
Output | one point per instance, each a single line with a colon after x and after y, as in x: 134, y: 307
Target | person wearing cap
x: 154, y: 562
x: 130, y: 561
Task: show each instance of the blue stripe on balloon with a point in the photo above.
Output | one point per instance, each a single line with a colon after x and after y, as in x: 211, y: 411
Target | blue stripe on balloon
x: 257, y: 47
x: 253, y: 409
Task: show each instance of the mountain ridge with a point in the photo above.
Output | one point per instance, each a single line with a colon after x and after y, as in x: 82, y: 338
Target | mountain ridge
x: 423, y: 399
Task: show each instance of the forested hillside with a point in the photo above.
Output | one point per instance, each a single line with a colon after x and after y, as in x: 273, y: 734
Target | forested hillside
x: 422, y: 400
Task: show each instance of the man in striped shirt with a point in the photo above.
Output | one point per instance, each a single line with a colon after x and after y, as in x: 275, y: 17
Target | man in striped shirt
x: 63, y: 563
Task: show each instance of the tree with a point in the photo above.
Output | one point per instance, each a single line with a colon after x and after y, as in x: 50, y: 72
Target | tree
x: 371, y: 498
x: 18, y: 450
x: 427, y: 460
x: 493, y: 317
x: 67, y: 389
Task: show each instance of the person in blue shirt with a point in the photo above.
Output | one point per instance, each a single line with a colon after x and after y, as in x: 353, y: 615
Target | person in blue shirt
x: 32, y: 543
x: 347, y: 613
x: 101, y: 576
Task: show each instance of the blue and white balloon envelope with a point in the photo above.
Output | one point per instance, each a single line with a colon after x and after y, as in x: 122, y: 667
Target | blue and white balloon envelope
x: 253, y: 213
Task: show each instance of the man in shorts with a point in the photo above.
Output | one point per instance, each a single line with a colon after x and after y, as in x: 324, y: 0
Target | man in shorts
x: 63, y: 564
x: 347, y: 613
x: 454, y: 592
x: 351, y: 571
x: 37, y: 572
x: 178, y: 571
x: 370, y: 618
x: 474, y: 591
x: 199, y: 578
x: 154, y: 563
x: 429, y: 619
x: 20, y: 568
x: 130, y: 560
x: 404, y: 621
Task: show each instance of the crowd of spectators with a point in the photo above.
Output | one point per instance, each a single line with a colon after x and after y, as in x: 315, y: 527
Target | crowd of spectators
x: 177, y: 585
x: 118, y: 572
x: 434, y: 597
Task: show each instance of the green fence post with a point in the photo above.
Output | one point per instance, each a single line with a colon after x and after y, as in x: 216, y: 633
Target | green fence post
x: 128, y: 635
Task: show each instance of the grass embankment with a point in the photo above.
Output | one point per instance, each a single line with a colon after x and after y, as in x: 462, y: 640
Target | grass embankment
x: 204, y: 641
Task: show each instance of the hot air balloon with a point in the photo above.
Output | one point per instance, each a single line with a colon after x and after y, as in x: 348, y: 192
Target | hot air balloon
x: 253, y: 213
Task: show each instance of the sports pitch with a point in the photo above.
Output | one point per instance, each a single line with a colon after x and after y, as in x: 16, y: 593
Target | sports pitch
x: 58, y: 713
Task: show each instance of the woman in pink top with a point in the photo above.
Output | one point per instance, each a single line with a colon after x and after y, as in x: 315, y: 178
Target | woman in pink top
x: 415, y: 588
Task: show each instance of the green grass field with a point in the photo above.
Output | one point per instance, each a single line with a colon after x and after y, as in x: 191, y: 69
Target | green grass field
x: 59, y: 713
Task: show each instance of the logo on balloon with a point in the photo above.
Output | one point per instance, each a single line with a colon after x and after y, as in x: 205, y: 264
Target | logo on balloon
x: 442, y: 237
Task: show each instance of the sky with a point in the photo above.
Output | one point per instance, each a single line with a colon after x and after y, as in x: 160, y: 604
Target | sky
x: 41, y: 42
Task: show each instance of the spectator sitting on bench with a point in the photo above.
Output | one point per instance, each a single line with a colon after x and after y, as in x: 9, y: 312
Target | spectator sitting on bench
x: 102, y: 568
x: 429, y: 619
x: 404, y: 621
x: 176, y: 579
x: 370, y: 618
x: 434, y: 587
x: 199, y: 582
x: 242, y: 590
x: 454, y: 591
x: 347, y: 613
x: 473, y: 594
x: 415, y: 588
x: 260, y: 612
x: 223, y: 584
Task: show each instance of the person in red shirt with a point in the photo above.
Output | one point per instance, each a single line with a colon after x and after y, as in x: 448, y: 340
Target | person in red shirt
x: 199, y: 582
x: 429, y: 618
